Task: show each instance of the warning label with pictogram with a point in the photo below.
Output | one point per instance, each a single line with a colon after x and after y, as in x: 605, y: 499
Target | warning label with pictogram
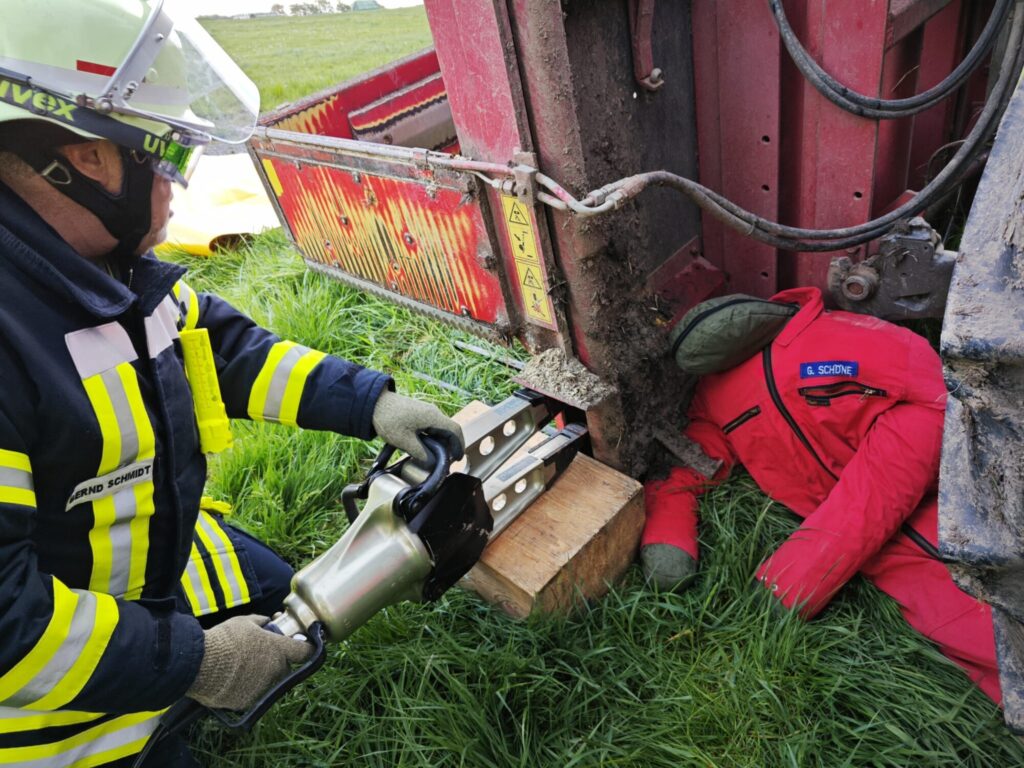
x: 538, y: 305
x: 517, y: 214
x: 529, y: 269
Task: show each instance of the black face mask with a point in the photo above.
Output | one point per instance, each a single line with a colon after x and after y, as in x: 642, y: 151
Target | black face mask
x: 126, y: 215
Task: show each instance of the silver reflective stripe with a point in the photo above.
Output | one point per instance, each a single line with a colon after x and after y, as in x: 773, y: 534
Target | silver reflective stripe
x: 125, y: 419
x: 196, y: 583
x: 279, y: 382
x: 223, y: 558
x: 57, y: 667
x: 125, y: 509
x: 162, y: 326
x: 95, y: 350
x: 16, y: 478
x: 109, y: 737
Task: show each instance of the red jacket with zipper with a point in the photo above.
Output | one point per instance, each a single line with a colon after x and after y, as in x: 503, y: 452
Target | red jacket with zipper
x: 840, y: 419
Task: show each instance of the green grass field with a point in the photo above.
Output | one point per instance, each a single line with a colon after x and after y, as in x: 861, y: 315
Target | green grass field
x: 291, y: 57
x: 711, y: 677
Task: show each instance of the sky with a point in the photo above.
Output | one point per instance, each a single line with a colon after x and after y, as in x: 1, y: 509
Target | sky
x: 231, y: 7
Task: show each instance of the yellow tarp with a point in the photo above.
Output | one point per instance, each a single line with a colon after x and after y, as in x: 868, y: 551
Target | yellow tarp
x: 225, y: 200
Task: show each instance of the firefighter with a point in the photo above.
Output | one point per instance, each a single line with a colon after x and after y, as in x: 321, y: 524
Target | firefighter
x: 119, y: 595
x: 840, y: 419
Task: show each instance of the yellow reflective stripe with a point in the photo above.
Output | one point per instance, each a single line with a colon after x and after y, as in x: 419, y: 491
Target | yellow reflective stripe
x: 204, y: 577
x: 107, y: 418
x: 14, y: 460
x: 23, y: 755
x: 144, y: 506
x: 204, y: 584
x: 104, y: 514
x: 139, y: 527
x: 296, y: 383
x: 236, y: 567
x: 53, y: 637
x: 21, y: 496
x: 143, y: 427
x: 74, y: 681
x: 37, y: 720
x: 190, y: 586
x: 229, y: 593
x: 228, y: 550
x: 261, y: 387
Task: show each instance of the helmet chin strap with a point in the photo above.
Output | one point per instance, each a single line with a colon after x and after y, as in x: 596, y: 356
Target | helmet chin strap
x: 127, y: 215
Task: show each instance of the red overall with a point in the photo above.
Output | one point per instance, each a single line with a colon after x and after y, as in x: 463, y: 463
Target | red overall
x: 840, y: 419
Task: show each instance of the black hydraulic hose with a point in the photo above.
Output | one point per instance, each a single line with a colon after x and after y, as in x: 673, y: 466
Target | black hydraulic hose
x: 887, y: 109
x: 796, y: 238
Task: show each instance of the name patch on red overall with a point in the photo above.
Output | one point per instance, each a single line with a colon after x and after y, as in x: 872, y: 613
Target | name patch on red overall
x: 829, y: 368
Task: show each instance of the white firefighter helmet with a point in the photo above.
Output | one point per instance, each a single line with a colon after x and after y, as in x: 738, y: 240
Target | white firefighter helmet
x: 141, y: 73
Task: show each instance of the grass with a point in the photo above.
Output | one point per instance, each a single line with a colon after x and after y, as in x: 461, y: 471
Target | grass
x: 293, y: 57
x: 713, y: 677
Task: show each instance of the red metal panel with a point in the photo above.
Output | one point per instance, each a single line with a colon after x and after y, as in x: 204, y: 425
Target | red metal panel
x: 420, y: 238
x: 941, y: 50
x: 470, y: 37
x: 736, y: 71
x: 900, y: 71
x: 835, y: 182
x: 905, y: 16
x: 478, y: 62
x: 326, y: 113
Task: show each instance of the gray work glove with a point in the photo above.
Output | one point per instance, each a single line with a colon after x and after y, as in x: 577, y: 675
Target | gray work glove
x: 242, y: 661
x: 399, y: 420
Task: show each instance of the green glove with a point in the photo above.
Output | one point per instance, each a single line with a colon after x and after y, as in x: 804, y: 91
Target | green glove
x: 399, y: 420
x: 242, y: 661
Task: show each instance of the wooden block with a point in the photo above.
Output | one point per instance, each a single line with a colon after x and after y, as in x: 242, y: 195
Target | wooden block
x: 568, y: 546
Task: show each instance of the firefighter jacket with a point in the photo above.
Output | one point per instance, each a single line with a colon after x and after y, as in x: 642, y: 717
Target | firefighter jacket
x: 100, y: 483
x: 840, y: 419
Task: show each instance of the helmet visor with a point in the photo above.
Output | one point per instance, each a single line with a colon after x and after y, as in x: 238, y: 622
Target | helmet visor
x: 223, y: 99
x: 178, y: 75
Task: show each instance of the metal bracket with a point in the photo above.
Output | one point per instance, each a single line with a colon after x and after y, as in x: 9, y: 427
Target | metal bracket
x: 525, y: 170
x: 641, y: 23
x: 908, y: 278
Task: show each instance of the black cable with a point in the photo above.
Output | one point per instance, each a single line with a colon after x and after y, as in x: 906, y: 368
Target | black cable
x: 888, y: 109
x: 796, y: 238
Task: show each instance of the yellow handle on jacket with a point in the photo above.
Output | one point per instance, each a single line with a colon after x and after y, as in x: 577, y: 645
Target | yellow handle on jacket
x: 211, y: 416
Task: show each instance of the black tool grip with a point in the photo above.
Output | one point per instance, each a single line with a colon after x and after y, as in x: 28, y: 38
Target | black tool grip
x: 244, y: 723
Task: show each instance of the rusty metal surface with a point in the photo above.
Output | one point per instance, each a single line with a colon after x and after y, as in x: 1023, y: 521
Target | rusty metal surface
x: 981, y: 488
x: 641, y: 23
x: 419, y: 234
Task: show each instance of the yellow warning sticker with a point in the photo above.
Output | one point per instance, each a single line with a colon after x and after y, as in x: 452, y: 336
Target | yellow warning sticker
x: 535, y: 298
x: 275, y: 182
x: 530, y: 270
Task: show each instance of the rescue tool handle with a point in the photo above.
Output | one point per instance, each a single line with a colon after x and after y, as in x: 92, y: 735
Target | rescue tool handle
x: 187, y: 711
x: 245, y: 722
x: 412, y: 499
